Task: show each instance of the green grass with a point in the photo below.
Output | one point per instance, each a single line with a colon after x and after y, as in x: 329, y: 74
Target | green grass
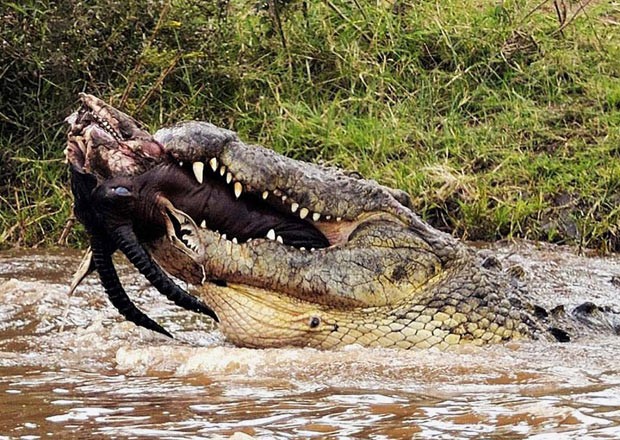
x: 498, y: 124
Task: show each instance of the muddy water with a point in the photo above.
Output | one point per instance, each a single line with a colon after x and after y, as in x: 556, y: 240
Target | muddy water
x: 70, y: 368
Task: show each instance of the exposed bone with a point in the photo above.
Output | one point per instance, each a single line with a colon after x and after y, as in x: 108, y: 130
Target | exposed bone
x: 198, y: 168
x: 82, y: 271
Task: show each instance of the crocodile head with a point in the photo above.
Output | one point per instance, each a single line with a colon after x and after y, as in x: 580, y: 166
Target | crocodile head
x: 291, y: 253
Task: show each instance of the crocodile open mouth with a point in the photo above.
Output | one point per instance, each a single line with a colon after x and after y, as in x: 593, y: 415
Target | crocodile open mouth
x: 242, y: 213
x: 216, y: 202
x: 108, y: 143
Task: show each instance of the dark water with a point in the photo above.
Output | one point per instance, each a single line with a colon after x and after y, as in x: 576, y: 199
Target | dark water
x: 71, y: 368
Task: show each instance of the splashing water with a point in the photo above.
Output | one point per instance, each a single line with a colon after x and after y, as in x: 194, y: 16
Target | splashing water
x: 70, y: 367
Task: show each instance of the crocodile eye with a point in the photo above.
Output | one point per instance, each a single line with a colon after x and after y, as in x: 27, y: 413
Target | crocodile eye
x: 121, y: 191
x: 314, y: 322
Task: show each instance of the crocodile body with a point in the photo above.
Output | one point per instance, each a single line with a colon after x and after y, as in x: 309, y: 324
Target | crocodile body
x: 288, y: 253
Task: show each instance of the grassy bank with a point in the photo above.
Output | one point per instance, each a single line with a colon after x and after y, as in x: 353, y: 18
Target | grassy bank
x: 502, y: 119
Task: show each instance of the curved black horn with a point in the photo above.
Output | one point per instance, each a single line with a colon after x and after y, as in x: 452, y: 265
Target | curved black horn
x: 82, y: 186
x: 114, y: 289
x: 128, y: 243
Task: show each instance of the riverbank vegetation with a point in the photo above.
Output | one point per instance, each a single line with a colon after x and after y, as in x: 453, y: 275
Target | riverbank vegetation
x: 501, y: 119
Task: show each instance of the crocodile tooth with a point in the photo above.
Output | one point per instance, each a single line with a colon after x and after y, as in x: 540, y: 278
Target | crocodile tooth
x: 316, y: 216
x: 222, y: 170
x: 198, y: 168
x: 234, y: 240
x: 265, y: 195
x: 294, y: 207
x: 224, y: 236
x: 228, y: 177
x: 338, y: 219
x: 303, y: 213
x: 271, y: 235
x: 279, y: 239
x: 203, y: 224
x: 213, y: 163
x: 284, y: 198
x: 302, y: 248
x: 181, y: 163
x: 277, y: 192
x: 328, y: 217
x: 238, y: 189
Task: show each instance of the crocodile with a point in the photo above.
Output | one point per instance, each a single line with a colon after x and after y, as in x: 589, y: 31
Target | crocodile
x: 290, y: 253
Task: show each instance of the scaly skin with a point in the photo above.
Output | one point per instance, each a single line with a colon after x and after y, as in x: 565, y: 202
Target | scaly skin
x: 385, y: 278
x: 465, y: 303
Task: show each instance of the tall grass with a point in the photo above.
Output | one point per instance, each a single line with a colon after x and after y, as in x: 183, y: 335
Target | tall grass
x: 501, y: 119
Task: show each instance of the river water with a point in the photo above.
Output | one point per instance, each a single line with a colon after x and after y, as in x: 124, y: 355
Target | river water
x: 71, y: 368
